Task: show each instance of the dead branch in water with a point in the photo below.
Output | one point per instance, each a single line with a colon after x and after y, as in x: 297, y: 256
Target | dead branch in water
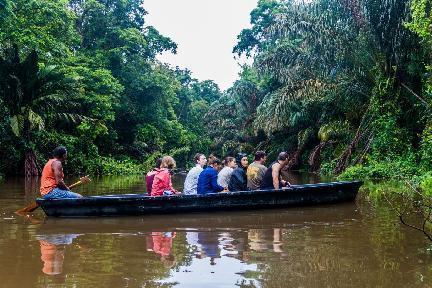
x: 424, y: 208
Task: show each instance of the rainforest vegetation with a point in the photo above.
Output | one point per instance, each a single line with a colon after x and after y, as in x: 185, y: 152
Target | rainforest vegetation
x: 345, y: 86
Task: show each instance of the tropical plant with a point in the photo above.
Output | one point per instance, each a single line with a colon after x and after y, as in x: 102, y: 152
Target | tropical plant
x: 32, y: 94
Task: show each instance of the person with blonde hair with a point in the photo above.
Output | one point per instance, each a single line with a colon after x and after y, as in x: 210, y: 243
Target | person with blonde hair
x: 162, y: 184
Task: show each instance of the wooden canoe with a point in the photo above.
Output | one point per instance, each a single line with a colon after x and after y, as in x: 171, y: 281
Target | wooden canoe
x: 141, y: 204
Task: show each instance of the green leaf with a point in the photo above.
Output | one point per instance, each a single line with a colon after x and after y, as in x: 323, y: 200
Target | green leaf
x: 17, y: 124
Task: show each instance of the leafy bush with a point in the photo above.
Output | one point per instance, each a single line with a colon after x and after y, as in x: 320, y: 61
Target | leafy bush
x: 426, y: 184
x: 111, y: 166
x: 426, y: 148
x: 401, y: 169
x: 375, y: 190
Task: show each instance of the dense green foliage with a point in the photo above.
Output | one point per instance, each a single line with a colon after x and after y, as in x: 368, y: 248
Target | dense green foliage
x: 84, y: 74
x: 338, y: 84
x: 344, y: 86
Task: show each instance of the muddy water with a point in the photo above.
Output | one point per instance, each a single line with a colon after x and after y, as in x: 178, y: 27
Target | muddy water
x: 344, y: 245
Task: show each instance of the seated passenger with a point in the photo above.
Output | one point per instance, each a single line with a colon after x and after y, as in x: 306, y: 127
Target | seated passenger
x: 150, y: 175
x: 225, y: 174
x: 238, y: 181
x: 272, y: 178
x: 162, y: 184
x: 191, y: 182
x: 256, y: 171
x: 207, y: 180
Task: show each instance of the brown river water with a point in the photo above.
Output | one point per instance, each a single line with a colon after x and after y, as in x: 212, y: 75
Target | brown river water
x: 344, y: 245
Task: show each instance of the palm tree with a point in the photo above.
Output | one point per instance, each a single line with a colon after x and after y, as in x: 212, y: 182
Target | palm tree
x: 32, y: 93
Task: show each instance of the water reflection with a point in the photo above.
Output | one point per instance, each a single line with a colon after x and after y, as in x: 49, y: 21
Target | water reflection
x: 161, y: 243
x: 265, y: 240
x: 52, y: 249
x: 344, y: 245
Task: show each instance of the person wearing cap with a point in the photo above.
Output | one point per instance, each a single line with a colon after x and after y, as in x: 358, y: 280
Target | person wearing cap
x: 272, y: 178
x: 238, y: 180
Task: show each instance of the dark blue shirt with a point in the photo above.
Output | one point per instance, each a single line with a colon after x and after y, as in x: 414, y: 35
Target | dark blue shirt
x: 207, y: 182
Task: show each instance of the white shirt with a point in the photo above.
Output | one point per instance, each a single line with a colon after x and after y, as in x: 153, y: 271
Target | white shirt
x: 224, y: 176
x: 191, y: 182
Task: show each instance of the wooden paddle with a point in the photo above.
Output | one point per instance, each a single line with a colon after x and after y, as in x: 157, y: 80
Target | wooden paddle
x: 33, y: 206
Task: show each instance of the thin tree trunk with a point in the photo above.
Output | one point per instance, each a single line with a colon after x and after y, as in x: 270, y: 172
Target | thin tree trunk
x: 30, y: 164
x: 362, y: 130
x: 31, y: 188
x: 294, y: 162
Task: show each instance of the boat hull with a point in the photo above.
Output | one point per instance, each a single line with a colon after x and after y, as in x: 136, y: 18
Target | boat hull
x: 141, y: 204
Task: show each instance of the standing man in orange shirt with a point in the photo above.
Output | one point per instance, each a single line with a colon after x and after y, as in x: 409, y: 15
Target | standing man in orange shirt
x: 52, y: 183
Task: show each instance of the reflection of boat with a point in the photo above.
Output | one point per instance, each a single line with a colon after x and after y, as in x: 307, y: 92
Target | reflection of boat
x: 231, y: 221
x: 138, y: 204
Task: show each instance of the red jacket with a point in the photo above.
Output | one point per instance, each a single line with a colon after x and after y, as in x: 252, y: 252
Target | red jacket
x: 162, y: 182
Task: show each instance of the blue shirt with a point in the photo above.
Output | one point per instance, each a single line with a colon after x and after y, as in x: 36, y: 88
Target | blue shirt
x: 207, y: 181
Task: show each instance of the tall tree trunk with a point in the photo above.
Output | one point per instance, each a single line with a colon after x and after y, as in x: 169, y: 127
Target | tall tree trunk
x: 314, y: 160
x: 363, y: 129
x: 294, y: 161
x: 31, y: 188
x: 30, y: 164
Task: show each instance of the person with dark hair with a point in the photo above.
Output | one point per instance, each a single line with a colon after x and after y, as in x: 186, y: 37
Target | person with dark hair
x: 191, y: 182
x: 238, y: 181
x: 225, y: 174
x: 256, y: 171
x: 272, y: 178
x: 207, y: 180
x: 150, y: 175
x: 52, y: 183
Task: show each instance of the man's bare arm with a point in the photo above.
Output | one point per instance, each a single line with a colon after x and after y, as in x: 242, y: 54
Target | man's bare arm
x: 275, y: 174
x: 58, y: 174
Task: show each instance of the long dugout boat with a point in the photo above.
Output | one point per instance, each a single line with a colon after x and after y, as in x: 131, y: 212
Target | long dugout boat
x: 141, y: 204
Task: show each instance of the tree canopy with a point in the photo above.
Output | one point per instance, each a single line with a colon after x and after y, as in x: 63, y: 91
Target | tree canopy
x: 84, y: 73
x: 336, y: 83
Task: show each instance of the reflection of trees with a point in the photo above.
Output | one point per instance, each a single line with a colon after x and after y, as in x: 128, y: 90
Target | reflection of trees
x: 115, y: 185
x: 372, y: 253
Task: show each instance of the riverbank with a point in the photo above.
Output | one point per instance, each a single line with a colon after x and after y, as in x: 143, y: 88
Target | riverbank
x: 408, y: 175
x: 408, y: 195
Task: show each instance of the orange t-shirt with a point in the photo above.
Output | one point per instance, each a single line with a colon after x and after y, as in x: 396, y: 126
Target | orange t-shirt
x: 48, y: 181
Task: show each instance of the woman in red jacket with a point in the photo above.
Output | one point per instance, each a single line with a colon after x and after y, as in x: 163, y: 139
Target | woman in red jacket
x: 162, y: 180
